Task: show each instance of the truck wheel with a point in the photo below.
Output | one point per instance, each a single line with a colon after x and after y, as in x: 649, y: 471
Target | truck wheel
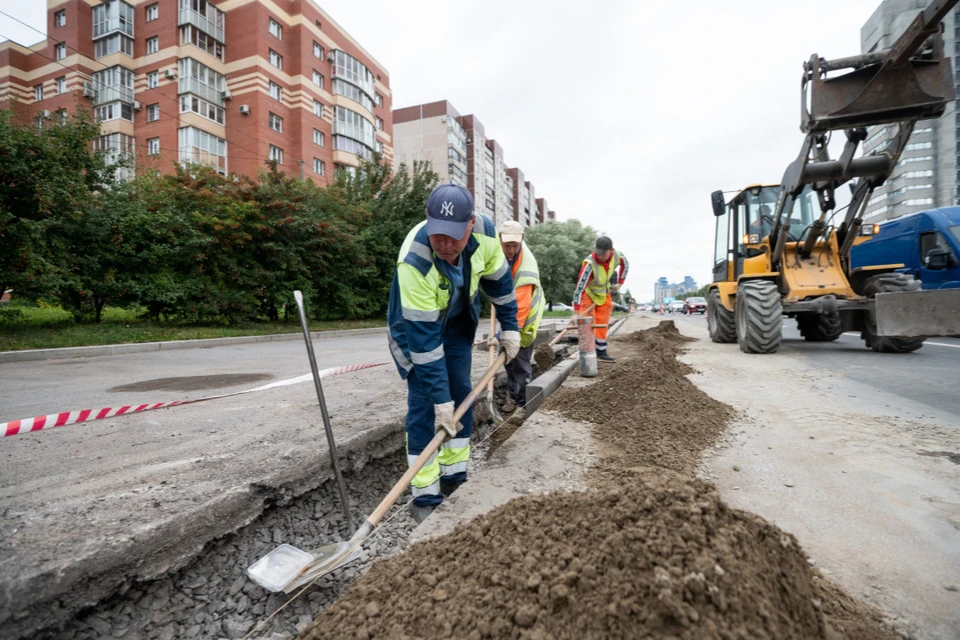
x: 819, y: 327
x: 720, y: 321
x: 885, y: 283
x: 759, y: 316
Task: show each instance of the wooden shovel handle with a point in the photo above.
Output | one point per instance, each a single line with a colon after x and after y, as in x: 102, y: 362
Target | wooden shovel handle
x: 492, y: 350
x: 431, y: 448
x: 570, y: 324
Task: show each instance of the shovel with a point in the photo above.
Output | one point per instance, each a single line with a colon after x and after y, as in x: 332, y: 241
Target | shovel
x: 494, y: 414
x: 330, y: 557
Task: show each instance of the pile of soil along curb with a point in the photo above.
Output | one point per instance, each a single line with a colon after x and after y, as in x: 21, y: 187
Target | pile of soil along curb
x: 649, y: 552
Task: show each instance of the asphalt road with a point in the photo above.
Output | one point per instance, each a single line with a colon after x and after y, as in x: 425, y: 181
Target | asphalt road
x: 927, y: 376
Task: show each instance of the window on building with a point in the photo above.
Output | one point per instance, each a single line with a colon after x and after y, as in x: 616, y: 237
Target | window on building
x: 189, y: 34
x: 379, y: 122
x: 378, y: 146
x: 152, y: 12
x: 275, y: 29
x: 153, y: 146
x: 115, y: 83
x: 918, y: 174
x: 276, y: 59
x: 319, y: 167
x: 38, y: 93
x: 317, y: 50
x: 61, y: 84
x: 61, y: 116
x: 317, y: 78
x: 60, y: 19
x: 153, y: 44
x: 276, y: 122
x: 153, y: 112
x: 918, y: 202
x: 353, y: 71
x: 113, y: 111
x: 318, y: 137
x: 113, y: 44
x: 353, y: 125
x: 209, y: 111
x: 378, y: 99
x: 60, y: 51
x: 489, y: 205
x: 203, y: 148
x: 918, y: 145
x: 317, y: 109
x: 204, y: 16
x: 112, y: 15
x: 343, y: 88
x: 201, y: 80
x: 153, y: 80
x: 276, y: 154
x: 275, y: 91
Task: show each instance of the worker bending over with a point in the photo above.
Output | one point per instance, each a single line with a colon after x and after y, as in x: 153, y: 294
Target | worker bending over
x: 432, y: 316
x: 530, y: 303
x: 603, y: 273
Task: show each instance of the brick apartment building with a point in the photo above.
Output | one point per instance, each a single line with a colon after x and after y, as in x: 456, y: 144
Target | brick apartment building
x: 459, y: 150
x: 228, y: 84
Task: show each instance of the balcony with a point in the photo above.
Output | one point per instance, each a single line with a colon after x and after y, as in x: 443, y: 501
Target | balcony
x: 113, y: 94
x: 208, y: 26
x: 356, y: 133
x: 201, y: 90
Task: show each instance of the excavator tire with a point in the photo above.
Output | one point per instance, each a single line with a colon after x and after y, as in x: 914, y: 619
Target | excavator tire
x: 759, y: 316
x: 885, y: 283
x: 819, y: 327
x: 720, y: 322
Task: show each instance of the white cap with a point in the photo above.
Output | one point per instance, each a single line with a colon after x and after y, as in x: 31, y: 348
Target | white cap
x: 511, y: 231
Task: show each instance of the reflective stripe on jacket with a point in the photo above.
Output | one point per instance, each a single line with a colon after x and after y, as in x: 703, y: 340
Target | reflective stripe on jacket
x: 529, y: 274
x: 420, y: 296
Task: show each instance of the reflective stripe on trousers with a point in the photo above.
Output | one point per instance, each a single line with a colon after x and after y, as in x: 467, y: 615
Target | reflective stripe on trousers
x: 601, y: 315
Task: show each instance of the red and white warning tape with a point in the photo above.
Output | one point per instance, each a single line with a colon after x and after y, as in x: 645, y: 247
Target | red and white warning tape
x: 86, y: 415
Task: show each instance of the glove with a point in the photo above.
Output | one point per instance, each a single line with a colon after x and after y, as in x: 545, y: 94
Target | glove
x: 494, y: 341
x: 511, y: 344
x: 444, y: 418
x: 615, y: 287
x: 576, y: 309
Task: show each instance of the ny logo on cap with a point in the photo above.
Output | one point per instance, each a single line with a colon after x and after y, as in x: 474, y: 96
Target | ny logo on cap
x: 447, y: 209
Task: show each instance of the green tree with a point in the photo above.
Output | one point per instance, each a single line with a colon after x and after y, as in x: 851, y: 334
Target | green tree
x: 560, y: 248
x: 50, y: 181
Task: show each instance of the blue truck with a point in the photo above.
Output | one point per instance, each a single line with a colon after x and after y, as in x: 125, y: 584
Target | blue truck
x: 927, y: 243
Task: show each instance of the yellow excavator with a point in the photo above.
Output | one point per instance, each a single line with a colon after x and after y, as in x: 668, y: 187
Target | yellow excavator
x: 780, y: 248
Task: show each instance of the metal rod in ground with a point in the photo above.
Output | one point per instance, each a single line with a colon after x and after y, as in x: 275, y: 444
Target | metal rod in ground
x: 331, y: 443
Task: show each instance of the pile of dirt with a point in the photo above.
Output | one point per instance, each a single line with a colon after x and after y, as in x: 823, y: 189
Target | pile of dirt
x: 648, y: 415
x: 660, y: 558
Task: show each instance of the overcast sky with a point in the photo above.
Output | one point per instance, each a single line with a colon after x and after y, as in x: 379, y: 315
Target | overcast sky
x: 624, y: 114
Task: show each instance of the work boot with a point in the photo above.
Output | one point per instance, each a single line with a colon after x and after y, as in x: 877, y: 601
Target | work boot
x: 421, y: 512
x: 509, y: 406
x: 605, y: 358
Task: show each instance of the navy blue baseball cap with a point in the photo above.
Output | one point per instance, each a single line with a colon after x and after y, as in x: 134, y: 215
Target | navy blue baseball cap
x: 449, y: 211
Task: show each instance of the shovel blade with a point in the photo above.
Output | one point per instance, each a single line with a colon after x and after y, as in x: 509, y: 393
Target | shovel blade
x: 326, y: 559
x: 914, y: 314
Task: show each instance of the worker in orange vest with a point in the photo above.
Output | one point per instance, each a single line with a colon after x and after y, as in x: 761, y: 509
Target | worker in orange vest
x: 603, y: 273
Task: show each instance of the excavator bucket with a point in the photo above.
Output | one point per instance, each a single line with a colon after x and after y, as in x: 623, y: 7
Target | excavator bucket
x: 911, y: 81
x: 913, y: 314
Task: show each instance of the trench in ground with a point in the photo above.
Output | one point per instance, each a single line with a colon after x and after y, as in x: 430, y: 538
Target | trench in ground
x: 212, y: 596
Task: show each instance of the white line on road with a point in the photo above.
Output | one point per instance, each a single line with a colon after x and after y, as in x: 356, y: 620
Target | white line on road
x: 943, y: 344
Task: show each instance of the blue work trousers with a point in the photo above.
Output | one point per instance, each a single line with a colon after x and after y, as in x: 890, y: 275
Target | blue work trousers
x: 450, y: 465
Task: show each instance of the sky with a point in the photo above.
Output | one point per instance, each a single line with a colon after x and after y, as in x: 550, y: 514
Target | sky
x: 625, y: 114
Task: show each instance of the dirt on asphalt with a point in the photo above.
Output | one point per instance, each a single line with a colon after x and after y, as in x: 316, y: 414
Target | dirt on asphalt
x: 649, y: 552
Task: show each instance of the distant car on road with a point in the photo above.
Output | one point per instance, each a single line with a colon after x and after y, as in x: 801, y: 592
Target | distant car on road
x: 675, y: 306
x: 559, y: 306
x: 695, y: 305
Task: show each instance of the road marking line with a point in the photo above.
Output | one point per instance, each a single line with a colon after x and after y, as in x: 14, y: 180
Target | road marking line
x: 944, y: 344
